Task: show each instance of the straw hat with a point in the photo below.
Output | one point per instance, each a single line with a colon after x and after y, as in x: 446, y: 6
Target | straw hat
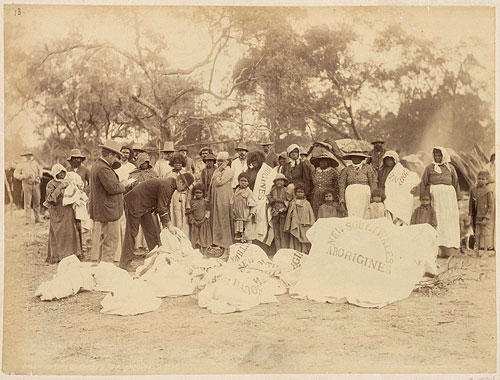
x: 113, y: 146
x: 75, y: 153
x: 280, y: 176
x: 324, y: 155
x: 142, y: 158
x: 168, y: 146
x: 349, y: 155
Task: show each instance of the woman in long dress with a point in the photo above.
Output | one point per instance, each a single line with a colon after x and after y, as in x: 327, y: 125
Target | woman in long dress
x: 324, y: 176
x: 64, y: 237
x: 220, y: 194
x: 180, y: 202
x: 441, y: 180
x: 356, y: 182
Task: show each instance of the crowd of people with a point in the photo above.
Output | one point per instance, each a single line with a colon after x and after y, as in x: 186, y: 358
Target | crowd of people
x: 259, y: 196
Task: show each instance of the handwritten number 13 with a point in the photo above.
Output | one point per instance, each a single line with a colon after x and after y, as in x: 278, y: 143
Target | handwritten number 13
x: 17, y: 12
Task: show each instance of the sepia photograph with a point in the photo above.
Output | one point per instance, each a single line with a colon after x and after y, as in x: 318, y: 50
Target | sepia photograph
x: 252, y: 189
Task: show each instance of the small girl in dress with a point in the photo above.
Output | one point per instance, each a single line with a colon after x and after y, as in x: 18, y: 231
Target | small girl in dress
x: 299, y: 219
x: 243, y: 206
x: 278, y: 204
x: 376, y: 209
x: 328, y: 208
x: 200, y: 232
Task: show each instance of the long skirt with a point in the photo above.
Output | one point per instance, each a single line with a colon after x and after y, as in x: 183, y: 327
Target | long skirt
x: 64, y: 237
x: 357, y: 199
x: 444, y: 201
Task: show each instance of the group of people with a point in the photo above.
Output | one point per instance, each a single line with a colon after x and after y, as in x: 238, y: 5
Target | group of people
x: 259, y: 196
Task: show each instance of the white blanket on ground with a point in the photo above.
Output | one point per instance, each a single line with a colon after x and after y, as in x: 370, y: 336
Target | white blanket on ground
x: 398, y: 185
x: 70, y: 278
x: 369, y: 263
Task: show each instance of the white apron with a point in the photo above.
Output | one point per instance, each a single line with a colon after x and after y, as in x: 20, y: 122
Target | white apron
x: 357, y: 199
x: 444, y: 201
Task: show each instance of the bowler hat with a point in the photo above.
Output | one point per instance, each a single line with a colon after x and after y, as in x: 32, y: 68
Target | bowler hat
x: 168, y: 146
x: 241, y: 146
x: 210, y: 157
x: 113, y: 146
x: 75, y: 153
x: 27, y: 154
x: 182, y: 149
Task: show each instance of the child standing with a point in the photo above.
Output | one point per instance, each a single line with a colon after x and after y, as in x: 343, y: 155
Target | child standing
x: 299, y: 219
x: 424, y: 213
x: 328, y: 208
x: 279, y: 207
x: 376, y: 209
x: 200, y: 232
x: 243, y: 206
x: 481, y: 210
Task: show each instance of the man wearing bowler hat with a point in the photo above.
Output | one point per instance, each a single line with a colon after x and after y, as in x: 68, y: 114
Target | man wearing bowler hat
x: 30, y: 173
x: 75, y: 160
x: 377, y: 153
x: 106, y: 202
x: 271, y: 157
x: 162, y: 166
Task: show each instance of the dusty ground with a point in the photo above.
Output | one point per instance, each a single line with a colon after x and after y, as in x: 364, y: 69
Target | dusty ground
x: 454, y: 332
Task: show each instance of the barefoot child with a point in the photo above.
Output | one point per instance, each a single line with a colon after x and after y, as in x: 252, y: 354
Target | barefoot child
x: 200, y: 232
x: 376, y: 209
x: 481, y: 210
x: 243, y: 206
x: 299, y: 219
x: 279, y: 206
x: 424, y: 213
x: 328, y: 208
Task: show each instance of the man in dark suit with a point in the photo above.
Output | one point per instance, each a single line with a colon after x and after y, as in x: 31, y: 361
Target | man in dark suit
x: 151, y: 195
x: 106, y: 202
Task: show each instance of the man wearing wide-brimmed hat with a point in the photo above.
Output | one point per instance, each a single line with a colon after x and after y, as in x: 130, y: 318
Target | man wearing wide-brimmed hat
x: 271, y: 156
x: 30, y: 173
x: 162, y: 166
x: 106, y: 202
x: 377, y: 153
x: 239, y: 165
x: 75, y: 160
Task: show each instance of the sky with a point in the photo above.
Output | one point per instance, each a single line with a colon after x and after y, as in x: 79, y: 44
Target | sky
x: 188, y: 42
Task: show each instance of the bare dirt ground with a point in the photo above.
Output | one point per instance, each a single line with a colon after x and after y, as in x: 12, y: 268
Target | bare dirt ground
x: 454, y: 332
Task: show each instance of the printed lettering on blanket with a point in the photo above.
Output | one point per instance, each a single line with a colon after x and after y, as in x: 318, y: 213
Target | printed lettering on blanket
x: 369, y: 263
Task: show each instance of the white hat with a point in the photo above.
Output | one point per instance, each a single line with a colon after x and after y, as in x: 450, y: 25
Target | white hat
x: 223, y: 156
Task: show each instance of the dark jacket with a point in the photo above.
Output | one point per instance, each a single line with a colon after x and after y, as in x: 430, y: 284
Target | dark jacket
x: 272, y: 159
x: 151, y: 195
x: 106, y: 198
x: 299, y: 173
